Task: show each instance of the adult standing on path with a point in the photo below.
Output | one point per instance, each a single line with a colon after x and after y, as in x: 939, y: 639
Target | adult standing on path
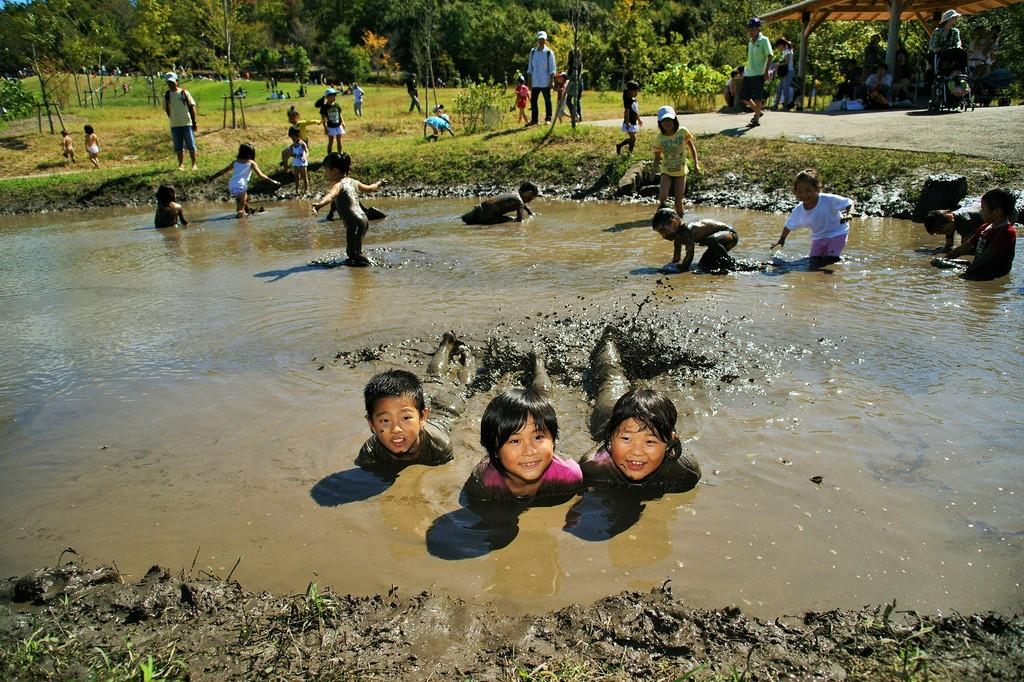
x: 181, y: 110
x: 759, y: 55
x: 539, y: 72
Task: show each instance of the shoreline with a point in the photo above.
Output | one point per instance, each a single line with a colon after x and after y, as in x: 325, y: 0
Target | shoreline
x: 79, y: 622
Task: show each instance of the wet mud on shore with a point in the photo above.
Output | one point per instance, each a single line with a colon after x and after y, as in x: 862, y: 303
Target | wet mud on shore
x: 72, y: 622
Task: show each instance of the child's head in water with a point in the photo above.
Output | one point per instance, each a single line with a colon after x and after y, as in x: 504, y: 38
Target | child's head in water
x: 337, y: 165
x: 641, y: 433
x: 396, y: 411
x: 518, y: 430
x: 166, y: 195
x: 807, y: 187
x: 246, y: 152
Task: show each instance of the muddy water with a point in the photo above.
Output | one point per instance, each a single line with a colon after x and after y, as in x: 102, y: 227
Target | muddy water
x: 163, y: 392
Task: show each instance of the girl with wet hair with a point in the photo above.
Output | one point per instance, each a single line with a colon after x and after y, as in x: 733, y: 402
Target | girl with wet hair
x: 168, y: 210
x: 641, y: 447
x: 518, y: 430
x: 344, y: 198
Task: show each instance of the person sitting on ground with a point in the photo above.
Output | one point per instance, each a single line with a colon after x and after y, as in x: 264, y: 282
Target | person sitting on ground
x: 903, y: 81
x: 168, y: 210
x: 847, y: 89
x: 438, y: 123
x: 949, y: 223
x: 878, y: 87
x: 718, y: 237
x: 405, y: 430
x: 493, y: 210
x: 993, y: 244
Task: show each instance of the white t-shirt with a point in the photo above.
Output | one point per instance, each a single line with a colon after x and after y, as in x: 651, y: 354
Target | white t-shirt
x: 823, y: 219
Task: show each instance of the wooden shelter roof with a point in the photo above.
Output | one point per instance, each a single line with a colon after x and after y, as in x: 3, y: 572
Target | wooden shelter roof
x: 878, y: 10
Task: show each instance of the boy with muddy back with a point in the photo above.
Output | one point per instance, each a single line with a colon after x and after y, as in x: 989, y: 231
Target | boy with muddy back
x: 404, y: 431
x: 718, y: 237
x: 495, y: 209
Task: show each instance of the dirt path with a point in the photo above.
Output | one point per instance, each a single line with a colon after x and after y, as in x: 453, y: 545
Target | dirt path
x: 989, y: 132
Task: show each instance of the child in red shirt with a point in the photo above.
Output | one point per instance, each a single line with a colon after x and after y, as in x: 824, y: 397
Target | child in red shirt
x: 993, y: 244
x: 522, y: 97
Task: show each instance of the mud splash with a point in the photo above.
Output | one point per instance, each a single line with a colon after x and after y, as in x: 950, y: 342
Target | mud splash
x: 71, y: 622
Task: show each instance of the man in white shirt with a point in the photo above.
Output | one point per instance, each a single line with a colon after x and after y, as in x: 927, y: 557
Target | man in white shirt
x: 181, y: 110
x: 539, y: 73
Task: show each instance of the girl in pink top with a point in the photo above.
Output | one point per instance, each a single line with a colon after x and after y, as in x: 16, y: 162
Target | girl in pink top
x: 522, y: 97
x: 518, y: 430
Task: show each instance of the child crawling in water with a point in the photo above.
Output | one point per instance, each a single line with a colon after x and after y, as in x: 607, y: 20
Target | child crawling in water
x: 344, y: 198
x: 718, y: 237
x: 168, y: 210
x: 518, y: 430
x: 493, y: 210
x: 404, y: 429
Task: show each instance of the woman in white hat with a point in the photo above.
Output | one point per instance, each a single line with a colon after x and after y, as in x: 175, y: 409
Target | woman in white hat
x: 946, y: 36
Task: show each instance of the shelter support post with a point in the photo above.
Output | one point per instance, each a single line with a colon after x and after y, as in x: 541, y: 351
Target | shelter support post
x: 809, y: 23
x: 893, y: 45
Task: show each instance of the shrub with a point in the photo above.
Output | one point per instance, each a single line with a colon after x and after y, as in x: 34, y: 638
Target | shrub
x: 482, y: 105
x: 699, y: 84
x: 15, y: 100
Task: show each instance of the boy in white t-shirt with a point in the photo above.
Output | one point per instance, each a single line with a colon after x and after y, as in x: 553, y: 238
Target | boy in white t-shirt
x: 827, y: 215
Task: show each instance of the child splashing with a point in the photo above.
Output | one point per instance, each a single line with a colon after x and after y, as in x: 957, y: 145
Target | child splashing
x: 518, y: 430
x: 344, y: 197
x: 241, y: 169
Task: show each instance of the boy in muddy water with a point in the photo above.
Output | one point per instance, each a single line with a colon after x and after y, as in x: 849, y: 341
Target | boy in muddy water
x: 404, y: 430
x: 495, y: 209
x: 961, y: 222
x: 993, y: 244
x: 343, y: 197
x: 718, y: 237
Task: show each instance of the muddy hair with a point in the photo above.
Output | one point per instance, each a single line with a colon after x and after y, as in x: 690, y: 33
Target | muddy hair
x: 651, y: 409
x: 395, y: 383
x: 529, y: 187
x: 165, y: 195
x: 247, y: 151
x: 664, y: 217
x: 507, y: 413
x: 810, y: 176
x: 935, y: 222
x: 340, y: 162
x: 1001, y: 200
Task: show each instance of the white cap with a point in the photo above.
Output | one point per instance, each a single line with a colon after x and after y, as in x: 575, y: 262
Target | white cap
x: 666, y: 112
x: 948, y: 14
x: 171, y: 76
x: 541, y: 35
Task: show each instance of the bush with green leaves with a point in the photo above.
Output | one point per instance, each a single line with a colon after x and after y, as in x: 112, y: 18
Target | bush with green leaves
x: 696, y: 86
x: 15, y: 100
x: 482, y: 105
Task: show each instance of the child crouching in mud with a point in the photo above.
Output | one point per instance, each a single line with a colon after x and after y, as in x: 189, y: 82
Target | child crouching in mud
x: 493, y: 210
x: 168, y: 210
x: 344, y: 198
x: 719, y: 238
x: 518, y: 430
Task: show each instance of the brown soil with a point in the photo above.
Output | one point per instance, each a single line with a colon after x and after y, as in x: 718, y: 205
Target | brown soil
x: 74, y: 623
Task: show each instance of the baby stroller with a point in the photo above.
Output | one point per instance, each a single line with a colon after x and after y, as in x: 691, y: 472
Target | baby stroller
x: 991, y: 87
x: 952, y: 89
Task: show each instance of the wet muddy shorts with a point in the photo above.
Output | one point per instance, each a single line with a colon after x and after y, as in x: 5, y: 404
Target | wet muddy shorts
x: 833, y: 246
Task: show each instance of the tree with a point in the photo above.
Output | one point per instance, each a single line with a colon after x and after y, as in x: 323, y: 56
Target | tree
x: 300, y: 62
x: 376, y: 47
x: 265, y: 60
x: 151, y: 39
x: 345, y: 62
x: 633, y: 38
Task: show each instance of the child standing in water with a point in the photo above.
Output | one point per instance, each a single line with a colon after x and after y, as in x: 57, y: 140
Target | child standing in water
x: 168, y: 210
x: 92, y: 145
x: 631, y: 122
x: 669, y: 143
x: 518, y: 430
x: 641, y: 448
x: 241, y: 169
x: 827, y: 215
x: 344, y: 197
x: 67, y: 146
x: 300, y: 159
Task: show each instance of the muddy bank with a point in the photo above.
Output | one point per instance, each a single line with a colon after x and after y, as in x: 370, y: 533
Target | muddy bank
x: 72, y: 622
x: 731, y: 189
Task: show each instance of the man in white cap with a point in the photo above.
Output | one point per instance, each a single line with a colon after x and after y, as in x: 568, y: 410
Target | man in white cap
x: 539, y: 72
x: 759, y: 57
x: 181, y: 110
